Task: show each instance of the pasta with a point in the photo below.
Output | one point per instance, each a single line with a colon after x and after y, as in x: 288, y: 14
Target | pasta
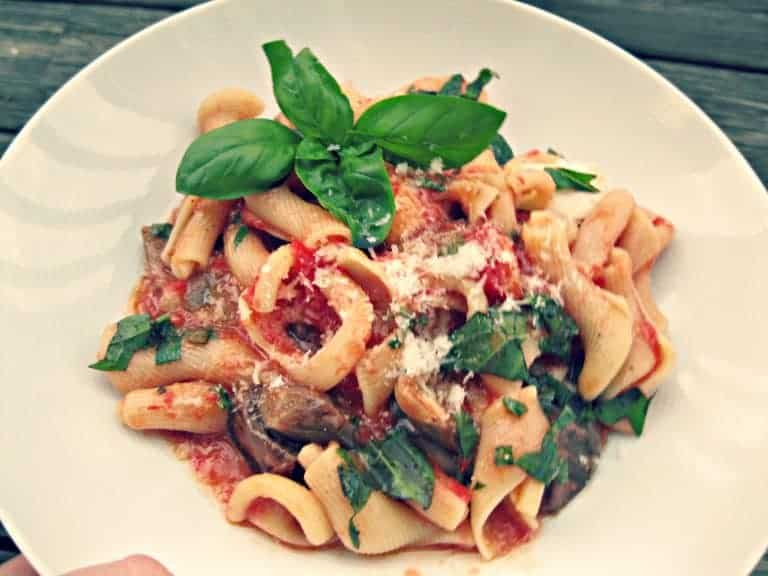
x: 373, y: 341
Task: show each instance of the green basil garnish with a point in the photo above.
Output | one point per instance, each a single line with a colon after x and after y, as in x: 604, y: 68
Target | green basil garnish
x: 466, y: 434
x: 632, y: 405
x: 161, y: 230
x: 501, y: 150
x: 240, y: 235
x: 237, y: 159
x: 566, y: 179
x: 502, y: 456
x: 223, y: 399
x: 307, y: 94
x: 453, y: 86
x: 475, y: 87
x: 547, y: 465
x: 561, y: 329
x: 135, y: 333
x: 421, y: 127
x: 514, y: 406
x: 352, y: 184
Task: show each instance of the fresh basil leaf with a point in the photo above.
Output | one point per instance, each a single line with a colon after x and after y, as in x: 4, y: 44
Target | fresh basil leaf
x: 632, y: 405
x: 354, y: 533
x: 566, y: 179
x: 307, y: 94
x: 478, y: 486
x: 167, y: 340
x: 399, y: 469
x: 237, y: 159
x: 420, y: 127
x: 240, y: 235
x: 162, y: 230
x: 475, y: 87
x: 352, y: 184
x: 502, y: 456
x: 453, y: 86
x: 133, y: 333
x: 514, y: 406
x: 223, y: 399
x: 561, y: 329
x: 482, y: 338
x: 353, y: 485
x: 547, y: 465
x: 501, y: 150
x: 466, y: 434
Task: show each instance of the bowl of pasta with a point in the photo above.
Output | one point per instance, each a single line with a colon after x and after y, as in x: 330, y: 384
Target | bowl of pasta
x: 318, y: 288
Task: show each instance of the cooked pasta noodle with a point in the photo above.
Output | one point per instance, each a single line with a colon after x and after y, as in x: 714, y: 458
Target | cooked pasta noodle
x: 446, y: 381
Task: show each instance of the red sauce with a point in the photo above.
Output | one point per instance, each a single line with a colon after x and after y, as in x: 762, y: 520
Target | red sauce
x: 304, y: 262
x: 505, y: 530
x: 250, y: 219
x: 524, y: 262
x: 523, y: 216
x: 649, y: 334
x: 374, y: 427
x: 215, y: 462
x: 451, y: 484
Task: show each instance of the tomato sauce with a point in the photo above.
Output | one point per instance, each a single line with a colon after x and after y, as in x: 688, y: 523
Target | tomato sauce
x: 215, y: 461
x: 452, y: 485
x: 649, y: 334
x: 505, y: 529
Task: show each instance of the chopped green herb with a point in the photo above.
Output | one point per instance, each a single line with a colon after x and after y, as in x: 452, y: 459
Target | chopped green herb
x: 452, y: 247
x: 478, y: 486
x: 395, y: 343
x: 453, y: 86
x: 432, y: 184
x: 475, y: 87
x: 561, y: 329
x: 547, y: 465
x: 223, y: 399
x: 466, y: 433
x: 133, y: 334
x: 240, y: 235
x: 501, y: 150
x: 514, y: 406
x: 554, y: 152
x: 162, y: 230
x: 632, y: 405
x: 502, y: 456
x: 399, y: 469
x: 167, y: 339
x: 353, y: 484
x: 354, y: 533
x: 161, y: 390
x: 566, y: 179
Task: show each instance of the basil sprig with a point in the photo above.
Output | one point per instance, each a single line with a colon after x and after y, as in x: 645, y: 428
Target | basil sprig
x: 352, y: 184
x: 340, y: 163
x: 307, y: 94
x: 422, y: 127
x: 237, y: 159
x: 567, y: 179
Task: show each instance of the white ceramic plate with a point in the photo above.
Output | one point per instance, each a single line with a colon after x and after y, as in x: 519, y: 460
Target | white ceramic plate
x: 98, y: 161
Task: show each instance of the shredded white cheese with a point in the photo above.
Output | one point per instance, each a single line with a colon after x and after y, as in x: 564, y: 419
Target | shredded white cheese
x: 455, y: 399
x: 401, y: 169
x: 403, y: 275
x: 422, y: 357
x: 436, y: 166
x: 469, y: 259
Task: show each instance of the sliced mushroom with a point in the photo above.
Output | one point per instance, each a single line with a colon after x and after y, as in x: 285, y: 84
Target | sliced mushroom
x: 420, y: 403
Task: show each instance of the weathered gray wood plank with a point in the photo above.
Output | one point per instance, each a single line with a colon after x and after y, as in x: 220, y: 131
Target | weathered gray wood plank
x: 162, y: 4
x: 43, y: 44
x: 5, y: 140
x: 731, y: 32
x: 736, y: 101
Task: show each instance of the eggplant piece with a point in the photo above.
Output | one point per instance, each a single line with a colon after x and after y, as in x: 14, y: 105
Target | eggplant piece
x: 580, y: 445
x: 153, y: 248
x: 246, y: 427
x: 300, y: 413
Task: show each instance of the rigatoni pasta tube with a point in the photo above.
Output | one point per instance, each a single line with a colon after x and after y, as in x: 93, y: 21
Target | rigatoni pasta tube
x: 303, y: 505
x: 185, y: 407
x: 375, y: 376
x: 523, y: 434
x: 602, y: 228
x: 246, y: 256
x: 224, y: 360
x: 283, y: 214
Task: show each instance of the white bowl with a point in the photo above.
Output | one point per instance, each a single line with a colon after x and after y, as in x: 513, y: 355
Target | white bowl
x: 98, y: 161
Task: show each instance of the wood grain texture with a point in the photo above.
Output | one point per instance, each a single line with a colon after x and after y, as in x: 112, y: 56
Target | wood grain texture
x: 42, y: 45
x: 736, y: 101
x: 724, y: 32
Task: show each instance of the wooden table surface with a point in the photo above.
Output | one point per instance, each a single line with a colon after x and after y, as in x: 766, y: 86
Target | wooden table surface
x: 716, y: 51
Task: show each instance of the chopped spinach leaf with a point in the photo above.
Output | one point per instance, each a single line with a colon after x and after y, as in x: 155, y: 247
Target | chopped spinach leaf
x: 466, y: 434
x: 561, y: 329
x: 353, y: 484
x: 514, y: 406
x: 502, y: 456
x: 133, y: 334
x: 167, y: 339
x: 478, y: 486
x: 162, y: 230
x: 395, y: 343
x: 432, y: 184
x: 566, y: 179
x: 547, y: 465
x: 354, y: 533
x: 240, y: 235
x: 501, y: 150
x: 632, y: 405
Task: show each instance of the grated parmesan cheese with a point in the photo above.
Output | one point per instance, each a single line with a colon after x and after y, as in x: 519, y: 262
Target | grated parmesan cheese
x: 421, y: 357
x: 403, y: 275
x: 469, y: 259
x: 436, y: 166
x: 455, y: 399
